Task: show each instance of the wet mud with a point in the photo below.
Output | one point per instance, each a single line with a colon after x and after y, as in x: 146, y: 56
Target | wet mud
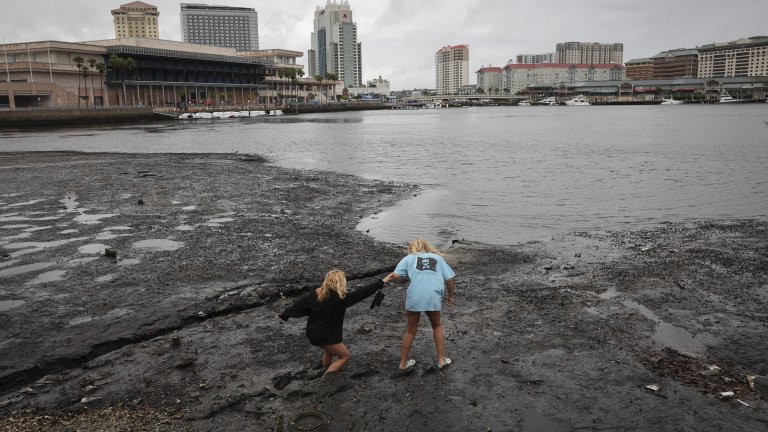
x: 139, y: 292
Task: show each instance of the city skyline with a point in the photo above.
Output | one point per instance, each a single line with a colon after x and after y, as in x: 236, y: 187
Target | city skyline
x: 401, y: 37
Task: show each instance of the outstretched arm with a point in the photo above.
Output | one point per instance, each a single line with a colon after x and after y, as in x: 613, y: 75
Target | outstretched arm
x: 449, y: 284
x: 364, y: 292
x: 298, y: 309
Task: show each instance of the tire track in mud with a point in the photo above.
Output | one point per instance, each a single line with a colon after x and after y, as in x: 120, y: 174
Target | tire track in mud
x: 25, y: 377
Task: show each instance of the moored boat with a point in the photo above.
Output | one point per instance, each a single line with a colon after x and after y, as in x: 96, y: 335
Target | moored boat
x: 727, y: 98
x: 579, y: 100
x: 547, y: 101
x: 671, y: 101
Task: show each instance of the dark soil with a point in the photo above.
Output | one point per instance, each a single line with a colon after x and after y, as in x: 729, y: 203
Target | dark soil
x: 181, y: 333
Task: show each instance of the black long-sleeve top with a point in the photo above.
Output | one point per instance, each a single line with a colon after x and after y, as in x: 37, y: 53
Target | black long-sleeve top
x: 326, y: 319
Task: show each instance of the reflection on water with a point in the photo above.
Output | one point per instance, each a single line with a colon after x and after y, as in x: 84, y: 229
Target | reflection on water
x: 498, y: 174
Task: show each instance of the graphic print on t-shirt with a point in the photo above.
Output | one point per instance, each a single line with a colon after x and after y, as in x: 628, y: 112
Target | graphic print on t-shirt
x: 426, y: 263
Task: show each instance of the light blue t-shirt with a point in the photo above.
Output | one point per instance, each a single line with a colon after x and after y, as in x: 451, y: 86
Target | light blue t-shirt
x: 427, y: 273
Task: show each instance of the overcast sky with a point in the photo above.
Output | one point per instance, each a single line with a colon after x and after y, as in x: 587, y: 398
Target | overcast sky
x: 400, y: 37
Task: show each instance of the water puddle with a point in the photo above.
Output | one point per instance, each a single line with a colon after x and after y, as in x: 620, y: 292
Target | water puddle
x: 70, y: 203
x: 118, y: 228
x: 79, y: 320
x: 92, y: 249
x: 25, y: 203
x: 184, y: 228
x: 15, y: 226
x: 156, y: 245
x: 69, y: 231
x: 189, y: 208
x: 31, y: 247
x: 15, y: 218
x: 10, y: 304
x: 8, y: 263
x: 109, y: 235
x: 219, y: 220
x: 91, y: 219
x: 33, y: 229
x: 50, y: 276
x: 669, y: 335
x: 106, y: 278
x: 665, y: 333
x: 27, y: 268
x: 128, y: 262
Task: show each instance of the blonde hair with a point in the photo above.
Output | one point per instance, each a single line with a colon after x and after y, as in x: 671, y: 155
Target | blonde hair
x: 336, y: 281
x: 420, y: 245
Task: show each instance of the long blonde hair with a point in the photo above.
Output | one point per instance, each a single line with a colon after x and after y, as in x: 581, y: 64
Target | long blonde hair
x: 336, y: 281
x: 420, y: 245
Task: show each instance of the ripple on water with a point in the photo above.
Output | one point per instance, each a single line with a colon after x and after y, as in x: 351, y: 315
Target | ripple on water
x: 155, y: 245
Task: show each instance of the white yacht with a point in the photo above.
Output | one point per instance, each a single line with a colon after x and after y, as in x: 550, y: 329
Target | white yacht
x: 548, y: 101
x: 671, y: 101
x: 726, y: 98
x: 579, y: 100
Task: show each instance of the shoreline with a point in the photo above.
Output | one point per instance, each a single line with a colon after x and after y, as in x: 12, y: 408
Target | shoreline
x: 556, y: 334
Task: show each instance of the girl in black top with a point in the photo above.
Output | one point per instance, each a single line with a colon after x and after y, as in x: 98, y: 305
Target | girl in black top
x: 326, y: 307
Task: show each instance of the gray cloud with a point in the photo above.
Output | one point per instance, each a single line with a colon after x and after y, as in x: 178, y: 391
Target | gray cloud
x: 400, y: 37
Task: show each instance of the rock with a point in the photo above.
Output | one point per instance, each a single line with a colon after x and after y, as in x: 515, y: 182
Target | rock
x: 175, y: 341
x: 364, y: 329
x: 577, y: 255
x: 111, y: 253
x: 86, y: 400
x: 711, y: 371
x: 760, y: 384
x: 140, y: 202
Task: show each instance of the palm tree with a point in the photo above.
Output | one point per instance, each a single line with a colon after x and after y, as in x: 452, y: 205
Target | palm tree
x: 332, y: 77
x: 300, y: 73
x: 319, y: 78
x: 101, y: 68
x: 92, y: 65
x: 120, y: 65
x: 78, y: 61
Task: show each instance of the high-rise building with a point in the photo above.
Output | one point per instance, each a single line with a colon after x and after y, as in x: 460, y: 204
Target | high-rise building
x: 589, y: 53
x: 223, y: 26
x: 335, y: 48
x: 740, y: 58
x: 451, y: 69
x: 136, y: 19
x: 535, y: 58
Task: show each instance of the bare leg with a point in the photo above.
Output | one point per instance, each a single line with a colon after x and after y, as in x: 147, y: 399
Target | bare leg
x: 437, y: 333
x: 340, y: 352
x: 327, y: 359
x: 412, y: 324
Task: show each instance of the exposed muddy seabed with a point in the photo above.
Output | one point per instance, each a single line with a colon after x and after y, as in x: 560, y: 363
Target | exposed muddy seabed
x: 177, y: 330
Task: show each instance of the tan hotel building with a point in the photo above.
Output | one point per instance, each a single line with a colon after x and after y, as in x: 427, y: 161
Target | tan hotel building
x: 137, y: 19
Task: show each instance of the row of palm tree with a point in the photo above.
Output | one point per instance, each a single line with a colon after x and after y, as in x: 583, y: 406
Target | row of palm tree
x: 91, y: 67
x: 327, y: 77
x: 291, y: 74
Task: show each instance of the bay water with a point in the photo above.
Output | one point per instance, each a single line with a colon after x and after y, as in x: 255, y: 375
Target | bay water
x: 501, y: 175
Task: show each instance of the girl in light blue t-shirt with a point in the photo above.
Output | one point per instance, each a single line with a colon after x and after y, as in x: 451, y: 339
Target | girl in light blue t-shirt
x: 430, y: 279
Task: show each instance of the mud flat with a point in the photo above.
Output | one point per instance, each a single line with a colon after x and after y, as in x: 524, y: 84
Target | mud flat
x: 139, y: 292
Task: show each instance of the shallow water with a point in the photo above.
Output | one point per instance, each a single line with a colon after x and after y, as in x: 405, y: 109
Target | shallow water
x: 499, y: 174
